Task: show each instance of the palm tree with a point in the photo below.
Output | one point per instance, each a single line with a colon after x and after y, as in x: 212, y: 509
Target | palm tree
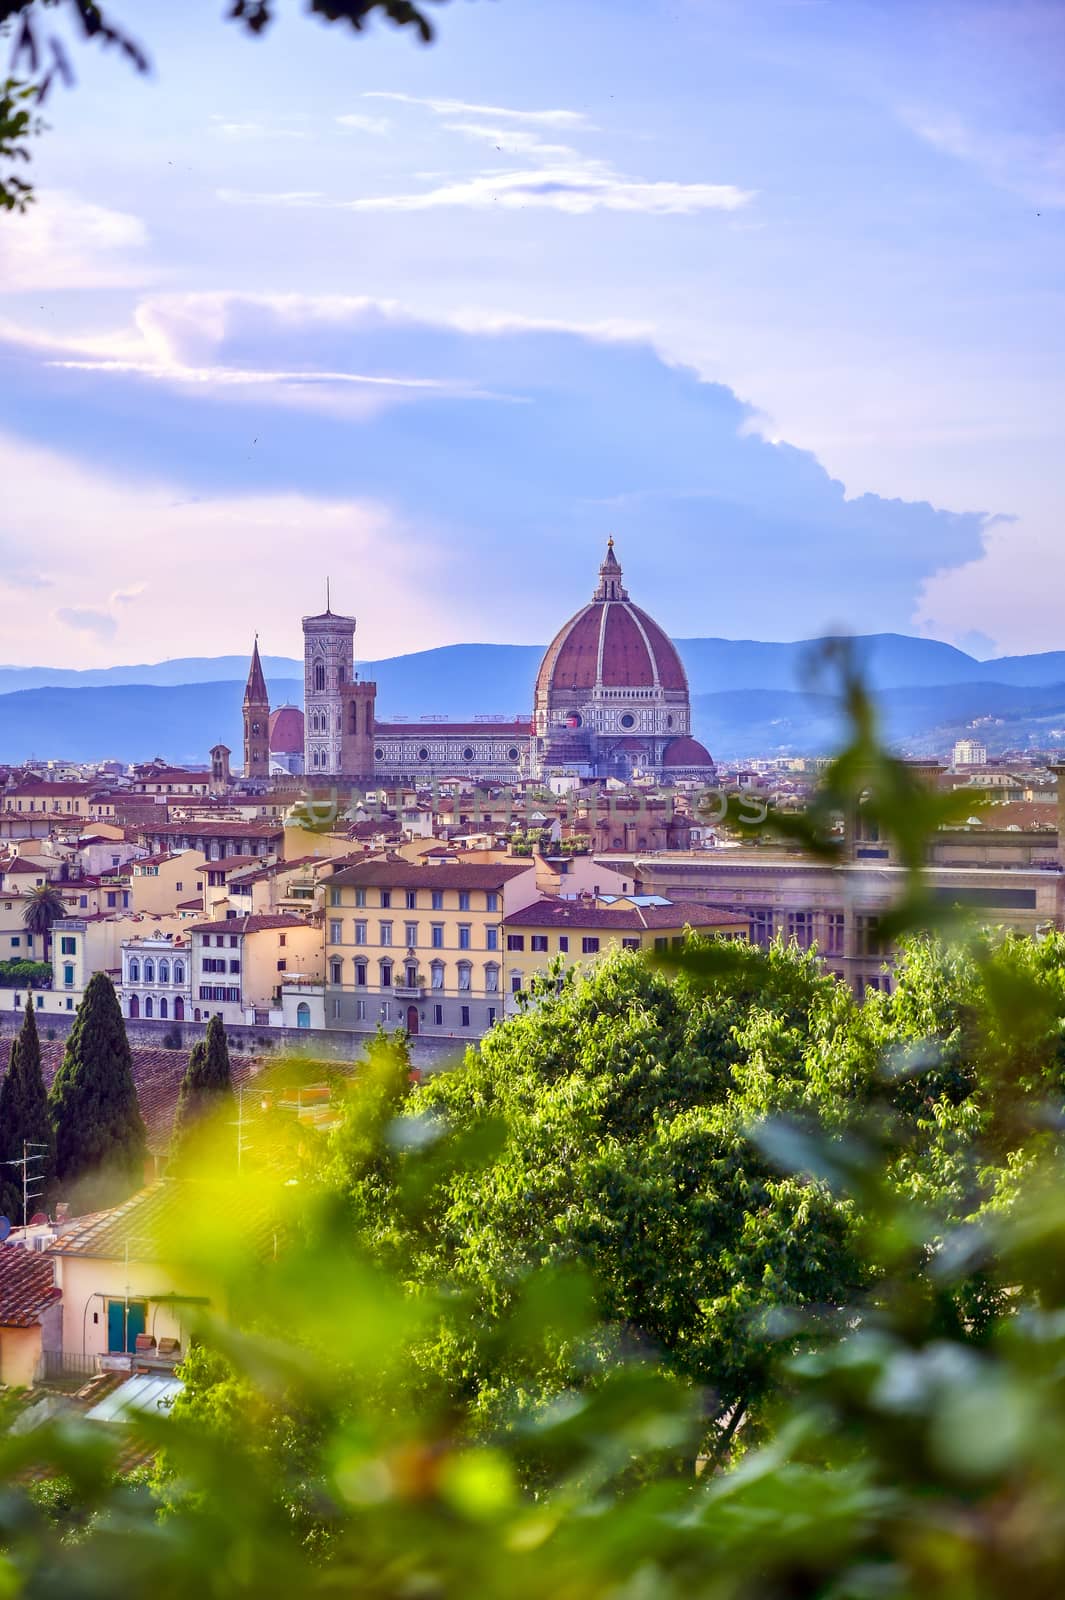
x: 44, y: 905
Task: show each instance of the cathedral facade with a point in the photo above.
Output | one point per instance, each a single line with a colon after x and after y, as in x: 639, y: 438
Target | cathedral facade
x: 611, y: 701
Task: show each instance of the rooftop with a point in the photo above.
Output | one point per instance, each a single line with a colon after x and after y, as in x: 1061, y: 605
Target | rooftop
x: 401, y: 874
x: 27, y: 1286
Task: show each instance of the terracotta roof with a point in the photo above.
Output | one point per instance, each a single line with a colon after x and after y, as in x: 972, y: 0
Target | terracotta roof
x: 519, y: 728
x: 612, y: 643
x: 134, y: 1226
x: 410, y: 875
x: 263, y: 923
x: 18, y: 865
x: 157, y: 1075
x: 27, y: 1286
x: 552, y: 913
x: 686, y: 752
x: 286, y: 731
x: 230, y: 864
x: 216, y: 830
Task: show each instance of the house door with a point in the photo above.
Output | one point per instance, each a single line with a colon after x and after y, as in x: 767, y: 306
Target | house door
x: 125, y: 1319
x: 179, y: 1009
x: 412, y: 1019
x: 134, y: 1005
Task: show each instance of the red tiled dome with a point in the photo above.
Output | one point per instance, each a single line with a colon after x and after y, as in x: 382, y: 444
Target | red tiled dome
x: 613, y: 643
x: 286, y: 731
x: 686, y: 752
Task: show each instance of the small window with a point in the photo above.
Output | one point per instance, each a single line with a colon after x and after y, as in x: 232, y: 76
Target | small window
x: 538, y: 942
x: 282, y: 965
x: 385, y: 934
x: 360, y: 933
x: 386, y: 974
x: 360, y: 1011
x: 410, y: 933
x: 360, y: 974
x: 360, y: 897
x: 336, y: 970
x: 438, y: 899
x: 334, y: 897
x: 438, y: 1016
x: 515, y: 983
x: 412, y: 899
x: 515, y: 941
x: 464, y: 899
x: 630, y: 944
x: 438, y: 936
x: 336, y: 930
x: 465, y: 1016
x: 563, y: 943
x: 491, y: 938
x: 590, y: 947
x: 386, y: 899
x: 464, y: 936
x: 491, y: 1016
x: 491, y: 901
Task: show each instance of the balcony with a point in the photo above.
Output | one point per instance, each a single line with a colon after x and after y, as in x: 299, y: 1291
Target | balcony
x: 409, y: 991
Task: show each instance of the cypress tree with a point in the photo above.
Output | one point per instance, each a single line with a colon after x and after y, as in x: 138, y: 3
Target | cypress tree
x: 99, y: 1134
x: 24, y: 1117
x: 208, y: 1082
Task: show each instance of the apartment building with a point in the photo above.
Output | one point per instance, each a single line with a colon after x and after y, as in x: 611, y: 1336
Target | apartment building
x: 589, y: 928
x: 241, y: 964
x: 420, y: 947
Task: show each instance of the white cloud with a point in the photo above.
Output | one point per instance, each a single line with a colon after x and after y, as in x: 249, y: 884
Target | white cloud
x: 255, y: 130
x: 1030, y: 164
x: 511, y: 141
x: 576, y: 190
x: 364, y: 124
x: 87, y: 619
x: 452, y: 108
x: 65, y: 242
x: 371, y: 552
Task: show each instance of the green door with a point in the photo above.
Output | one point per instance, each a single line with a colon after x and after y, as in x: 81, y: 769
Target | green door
x: 125, y: 1319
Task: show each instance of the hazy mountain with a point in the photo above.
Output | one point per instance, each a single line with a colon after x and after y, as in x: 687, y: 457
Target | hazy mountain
x: 748, y: 697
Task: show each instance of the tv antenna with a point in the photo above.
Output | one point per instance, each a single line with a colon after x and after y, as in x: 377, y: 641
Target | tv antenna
x: 32, y: 1182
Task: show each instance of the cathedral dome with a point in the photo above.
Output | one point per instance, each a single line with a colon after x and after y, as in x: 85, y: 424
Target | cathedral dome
x: 286, y: 731
x: 686, y: 752
x: 610, y: 644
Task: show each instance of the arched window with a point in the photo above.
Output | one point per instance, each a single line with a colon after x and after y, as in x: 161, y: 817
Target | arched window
x: 163, y: 1011
x: 179, y: 972
x: 437, y: 971
x: 147, y: 1005
x: 314, y: 758
x: 464, y: 974
x: 149, y: 972
x: 386, y: 974
x: 134, y: 1005
x: 134, y: 970
x: 491, y: 978
x: 179, y: 1009
x: 164, y: 971
x: 303, y: 1015
x: 319, y: 677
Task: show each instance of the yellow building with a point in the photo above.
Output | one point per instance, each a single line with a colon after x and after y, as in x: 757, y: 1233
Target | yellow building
x: 420, y: 946
x: 239, y: 965
x: 29, y: 1304
x: 586, y: 929
x: 114, y: 1282
x: 161, y: 883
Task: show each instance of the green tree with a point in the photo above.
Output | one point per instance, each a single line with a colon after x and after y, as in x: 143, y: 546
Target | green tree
x: 44, y: 905
x: 99, y: 1134
x: 623, y: 1105
x: 208, y: 1083
x: 24, y: 1120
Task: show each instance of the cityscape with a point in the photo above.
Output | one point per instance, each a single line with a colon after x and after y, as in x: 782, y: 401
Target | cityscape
x: 532, y: 800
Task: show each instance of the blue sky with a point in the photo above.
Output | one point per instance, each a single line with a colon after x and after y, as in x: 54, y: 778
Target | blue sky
x: 771, y: 290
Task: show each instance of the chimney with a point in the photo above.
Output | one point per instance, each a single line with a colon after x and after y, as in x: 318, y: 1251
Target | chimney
x: 62, y: 1212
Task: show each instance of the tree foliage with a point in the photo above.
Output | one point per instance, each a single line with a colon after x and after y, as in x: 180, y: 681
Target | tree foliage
x: 25, y: 1125
x: 207, y: 1085
x: 99, y: 1134
x: 44, y: 905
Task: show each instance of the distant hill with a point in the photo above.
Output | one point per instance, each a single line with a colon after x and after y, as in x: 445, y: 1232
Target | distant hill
x: 748, y: 697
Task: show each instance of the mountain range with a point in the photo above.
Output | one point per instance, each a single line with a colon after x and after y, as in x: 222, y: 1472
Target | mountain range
x: 749, y: 697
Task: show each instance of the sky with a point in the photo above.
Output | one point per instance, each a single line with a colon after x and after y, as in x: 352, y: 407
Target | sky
x: 770, y: 290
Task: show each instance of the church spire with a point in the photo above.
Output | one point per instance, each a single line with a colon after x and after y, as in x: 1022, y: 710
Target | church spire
x: 255, y: 692
x: 610, y: 586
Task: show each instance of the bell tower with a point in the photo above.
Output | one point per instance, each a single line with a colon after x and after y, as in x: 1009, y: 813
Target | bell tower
x: 256, y: 720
